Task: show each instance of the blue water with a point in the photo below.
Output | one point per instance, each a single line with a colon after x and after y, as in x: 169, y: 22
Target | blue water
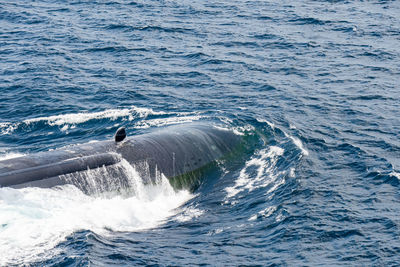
x: 313, y: 85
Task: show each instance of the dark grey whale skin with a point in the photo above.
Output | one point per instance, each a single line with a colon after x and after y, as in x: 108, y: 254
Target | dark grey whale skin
x: 172, y: 151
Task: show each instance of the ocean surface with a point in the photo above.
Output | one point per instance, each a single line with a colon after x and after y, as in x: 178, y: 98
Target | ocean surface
x: 315, y: 86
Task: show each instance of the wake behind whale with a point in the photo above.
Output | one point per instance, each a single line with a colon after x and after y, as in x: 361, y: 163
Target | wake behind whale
x: 178, y: 152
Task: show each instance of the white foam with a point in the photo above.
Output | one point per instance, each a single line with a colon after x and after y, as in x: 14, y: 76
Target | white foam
x: 253, y: 217
x: 395, y: 174
x: 270, y: 124
x: 34, y: 220
x: 263, y: 164
x: 10, y: 155
x: 292, y: 173
x: 264, y: 213
x: 299, y: 144
x: 7, y: 127
x: 166, y: 121
x: 234, y: 130
x: 77, y: 118
x: 238, y: 130
x: 280, y: 217
x: 241, y: 130
x: 189, y: 214
x: 69, y: 120
x: 217, y: 231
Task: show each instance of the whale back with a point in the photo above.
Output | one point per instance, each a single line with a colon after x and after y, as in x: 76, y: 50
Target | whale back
x: 171, y: 151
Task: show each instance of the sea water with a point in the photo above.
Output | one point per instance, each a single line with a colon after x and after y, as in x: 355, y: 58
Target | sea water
x: 311, y: 86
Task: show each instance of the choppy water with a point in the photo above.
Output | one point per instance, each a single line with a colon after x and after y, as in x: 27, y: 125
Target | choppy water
x: 314, y: 84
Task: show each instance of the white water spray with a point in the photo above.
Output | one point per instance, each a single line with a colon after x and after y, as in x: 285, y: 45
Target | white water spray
x: 34, y: 220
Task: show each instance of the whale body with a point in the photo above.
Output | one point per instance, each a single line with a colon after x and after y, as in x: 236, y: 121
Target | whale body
x: 173, y: 151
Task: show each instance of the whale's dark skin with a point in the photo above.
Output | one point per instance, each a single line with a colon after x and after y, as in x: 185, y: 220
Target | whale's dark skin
x: 172, y: 151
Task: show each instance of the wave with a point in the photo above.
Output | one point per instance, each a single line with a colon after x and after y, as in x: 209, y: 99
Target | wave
x: 395, y: 174
x: 270, y: 169
x: 295, y: 140
x: 8, y: 127
x: 264, y: 213
x: 257, y: 172
x: 71, y: 119
x: 300, y: 145
x: 143, y: 118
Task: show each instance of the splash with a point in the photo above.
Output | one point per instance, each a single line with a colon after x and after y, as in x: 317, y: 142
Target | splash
x: 34, y: 220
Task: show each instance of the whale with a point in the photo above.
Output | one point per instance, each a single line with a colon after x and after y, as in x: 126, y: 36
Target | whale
x: 177, y: 152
